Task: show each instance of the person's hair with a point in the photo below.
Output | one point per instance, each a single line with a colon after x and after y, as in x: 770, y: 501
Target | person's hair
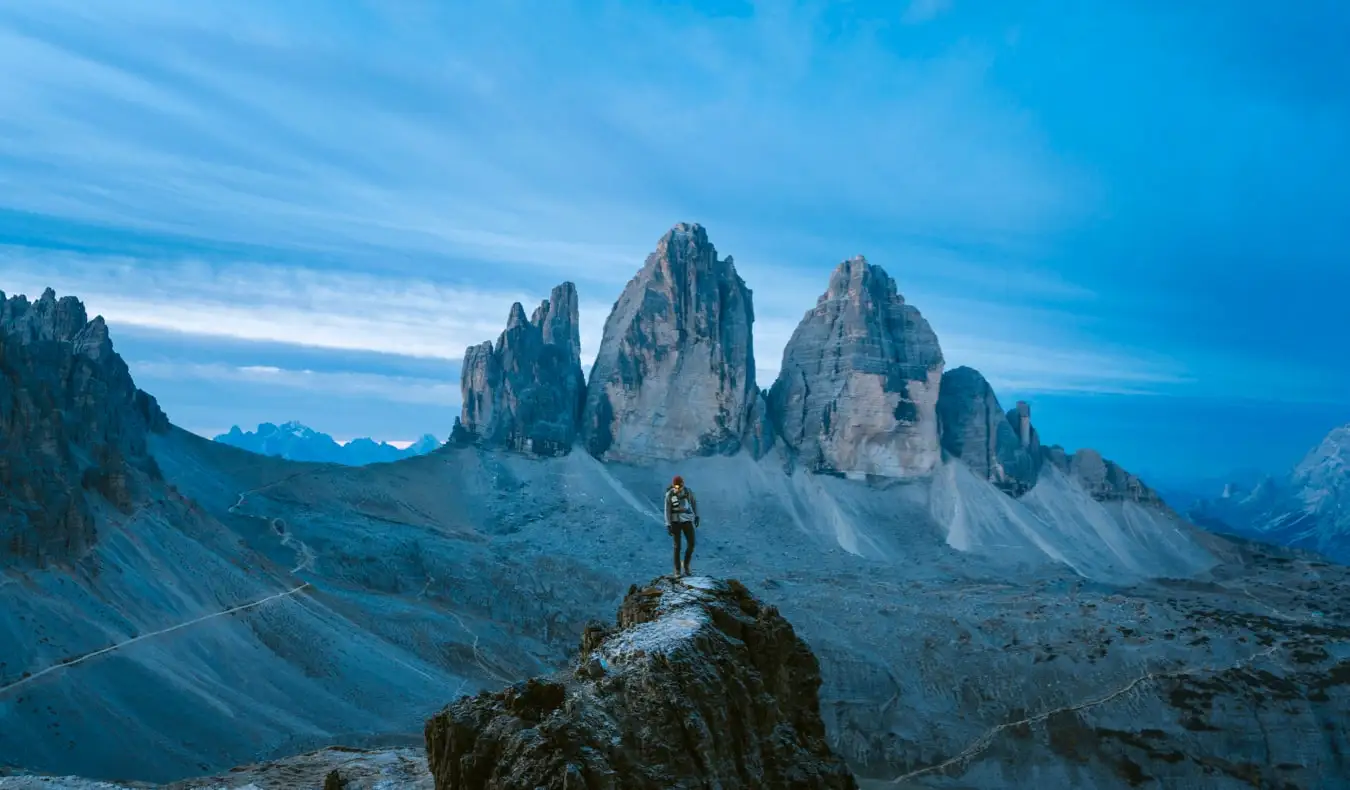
x: 678, y: 481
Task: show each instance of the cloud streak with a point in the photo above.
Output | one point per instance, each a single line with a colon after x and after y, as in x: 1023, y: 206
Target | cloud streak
x: 284, y: 304
x: 395, y: 389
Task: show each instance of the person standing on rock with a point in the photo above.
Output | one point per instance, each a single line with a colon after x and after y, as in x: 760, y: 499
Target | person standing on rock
x: 681, y: 520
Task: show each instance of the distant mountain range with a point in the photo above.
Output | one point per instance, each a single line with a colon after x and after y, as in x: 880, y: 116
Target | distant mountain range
x: 1308, y: 508
x: 295, y: 441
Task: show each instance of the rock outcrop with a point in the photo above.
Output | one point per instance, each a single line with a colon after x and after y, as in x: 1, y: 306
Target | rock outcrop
x: 701, y: 685
x: 1104, y: 480
x: 73, y: 429
x: 858, y: 389
x: 1003, y: 448
x: 675, y: 375
x: 526, y: 392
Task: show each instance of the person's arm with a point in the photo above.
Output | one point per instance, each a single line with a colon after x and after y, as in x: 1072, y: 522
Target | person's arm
x: 693, y: 505
x: 665, y: 498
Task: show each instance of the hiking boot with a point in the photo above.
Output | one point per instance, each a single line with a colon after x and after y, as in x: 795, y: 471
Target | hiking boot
x: 686, y: 570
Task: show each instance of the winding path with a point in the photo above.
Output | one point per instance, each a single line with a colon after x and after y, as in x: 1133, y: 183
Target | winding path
x: 87, y: 656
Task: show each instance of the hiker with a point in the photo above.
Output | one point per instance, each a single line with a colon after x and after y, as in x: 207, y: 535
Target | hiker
x: 681, y: 520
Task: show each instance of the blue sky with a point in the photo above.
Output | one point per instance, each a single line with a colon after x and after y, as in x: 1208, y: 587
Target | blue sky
x: 1135, y: 215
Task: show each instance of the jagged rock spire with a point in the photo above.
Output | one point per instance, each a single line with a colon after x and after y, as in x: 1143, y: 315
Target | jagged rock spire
x: 1000, y: 447
x: 526, y: 392
x: 675, y: 375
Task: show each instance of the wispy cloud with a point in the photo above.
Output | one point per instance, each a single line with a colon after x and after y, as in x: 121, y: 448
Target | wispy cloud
x: 283, y: 304
x: 395, y: 389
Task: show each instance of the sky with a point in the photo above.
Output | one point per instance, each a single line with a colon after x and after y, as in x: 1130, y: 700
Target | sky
x: 1133, y: 215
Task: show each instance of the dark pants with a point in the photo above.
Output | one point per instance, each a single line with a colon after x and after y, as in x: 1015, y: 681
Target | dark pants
x: 685, y: 528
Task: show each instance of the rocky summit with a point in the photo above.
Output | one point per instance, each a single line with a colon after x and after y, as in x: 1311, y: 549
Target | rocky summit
x: 858, y: 389
x: 526, y: 392
x: 1103, y: 479
x: 675, y: 374
x: 1002, y: 448
x: 700, y: 685
x: 73, y: 429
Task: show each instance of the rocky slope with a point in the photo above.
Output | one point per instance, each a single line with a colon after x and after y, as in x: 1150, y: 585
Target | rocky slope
x: 675, y: 374
x: 700, y: 685
x: 468, y: 570
x: 526, y: 392
x: 1002, y: 448
x: 858, y: 388
x: 1309, y: 508
x: 73, y: 430
x: 296, y: 442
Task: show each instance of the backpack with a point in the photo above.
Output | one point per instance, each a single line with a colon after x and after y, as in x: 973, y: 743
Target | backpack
x: 678, y: 502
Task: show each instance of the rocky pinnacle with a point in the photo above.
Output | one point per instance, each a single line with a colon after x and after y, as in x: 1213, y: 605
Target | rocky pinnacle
x: 526, y: 392
x: 1002, y: 448
x: 73, y: 429
x: 675, y: 375
x: 858, y: 388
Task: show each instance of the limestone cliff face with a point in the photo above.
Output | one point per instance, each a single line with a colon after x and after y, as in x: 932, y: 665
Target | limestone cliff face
x: 858, y: 389
x: 701, y: 685
x: 73, y: 429
x: 526, y: 392
x: 675, y: 375
x: 1002, y: 448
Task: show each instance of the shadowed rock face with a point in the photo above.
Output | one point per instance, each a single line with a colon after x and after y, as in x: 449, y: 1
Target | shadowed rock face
x: 675, y: 374
x: 526, y: 392
x: 72, y: 429
x: 700, y: 685
x: 1002, y: 448
x: 858, y: 388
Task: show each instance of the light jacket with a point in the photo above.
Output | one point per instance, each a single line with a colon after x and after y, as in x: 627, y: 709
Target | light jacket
x: 680, y: 505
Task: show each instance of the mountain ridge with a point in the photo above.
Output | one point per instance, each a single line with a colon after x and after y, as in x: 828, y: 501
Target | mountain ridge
x: 1306, y: 508
x: 859, y: 392
x: 296, y: 441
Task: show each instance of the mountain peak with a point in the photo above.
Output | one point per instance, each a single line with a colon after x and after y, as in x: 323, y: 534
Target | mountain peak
x: 296, y: 441
x: 855, y: 279
x: 558, y: 317
x: 675, y: 374
x: 75, y: 426
x: 517, y: 317
x: 1000, y: 447
x: 857, y: 391
x: 525, y: 392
